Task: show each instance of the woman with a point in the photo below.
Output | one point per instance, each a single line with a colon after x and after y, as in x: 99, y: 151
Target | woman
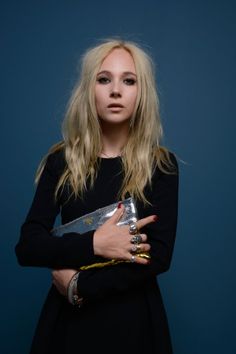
x: 110, y: 151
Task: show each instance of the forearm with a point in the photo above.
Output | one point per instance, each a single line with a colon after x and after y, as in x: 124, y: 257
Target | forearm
x: 40, y: 249
x: 99, y: 283
x: 37, y: 246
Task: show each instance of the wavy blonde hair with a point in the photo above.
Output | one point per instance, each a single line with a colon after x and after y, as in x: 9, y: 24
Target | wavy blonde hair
x: 82, y: 132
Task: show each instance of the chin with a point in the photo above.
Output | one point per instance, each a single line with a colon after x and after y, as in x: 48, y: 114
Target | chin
x: 114, y: 120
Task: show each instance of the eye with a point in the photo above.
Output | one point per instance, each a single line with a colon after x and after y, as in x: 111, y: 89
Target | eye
x: 103, y: 80
x: 130, y: 81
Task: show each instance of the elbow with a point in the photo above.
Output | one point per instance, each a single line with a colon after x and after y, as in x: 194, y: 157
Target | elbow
x: 162, y: 269
x: 19, y: 257
x: 161, y: 259
x: 165, y: 267
x: 160, y: 266
x: 22, y: 249
x: 23, y: 255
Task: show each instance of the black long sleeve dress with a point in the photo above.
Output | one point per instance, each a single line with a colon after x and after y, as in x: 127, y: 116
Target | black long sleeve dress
x: 123, y: 311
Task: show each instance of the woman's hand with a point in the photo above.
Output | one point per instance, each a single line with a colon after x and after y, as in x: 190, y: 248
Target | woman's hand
x: 114, y: 242
x: 110, y: 241
x: 61, y: 279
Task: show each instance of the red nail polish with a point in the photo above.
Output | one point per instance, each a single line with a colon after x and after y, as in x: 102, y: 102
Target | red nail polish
x: 155, y: 218
x: 119, y: 205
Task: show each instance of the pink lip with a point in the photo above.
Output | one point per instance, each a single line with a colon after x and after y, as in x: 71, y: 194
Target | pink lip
x: 115, y: 105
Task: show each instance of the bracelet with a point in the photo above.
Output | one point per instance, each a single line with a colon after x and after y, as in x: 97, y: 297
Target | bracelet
x: 72, y: 291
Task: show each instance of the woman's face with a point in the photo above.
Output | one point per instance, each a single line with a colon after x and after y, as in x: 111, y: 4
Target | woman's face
x: 116, y: 87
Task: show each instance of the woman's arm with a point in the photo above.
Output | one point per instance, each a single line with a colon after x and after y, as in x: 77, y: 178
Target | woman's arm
x: 37, y: 246
x: 99, y: 283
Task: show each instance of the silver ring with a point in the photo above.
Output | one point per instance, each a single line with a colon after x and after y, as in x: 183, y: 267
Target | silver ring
x: 132, y: 260
x: 136, y: 239
x: 134, y: 248
x: 133, y: 228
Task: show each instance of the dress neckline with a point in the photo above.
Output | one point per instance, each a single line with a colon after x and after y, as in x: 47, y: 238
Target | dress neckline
x: 109, y: 158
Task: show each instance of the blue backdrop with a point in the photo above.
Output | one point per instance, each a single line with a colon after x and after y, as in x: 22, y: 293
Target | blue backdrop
x: 193, y: 44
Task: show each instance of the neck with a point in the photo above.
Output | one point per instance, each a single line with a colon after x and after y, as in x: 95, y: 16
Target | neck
x: 114, y: 138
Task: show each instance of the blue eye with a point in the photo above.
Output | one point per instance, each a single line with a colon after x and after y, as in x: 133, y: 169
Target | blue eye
x: 103, y: 80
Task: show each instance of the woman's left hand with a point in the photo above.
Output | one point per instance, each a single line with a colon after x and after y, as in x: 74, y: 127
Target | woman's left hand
x: 61, y: 279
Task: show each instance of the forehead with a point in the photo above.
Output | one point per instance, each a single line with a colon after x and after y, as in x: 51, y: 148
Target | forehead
x: 118, y: 60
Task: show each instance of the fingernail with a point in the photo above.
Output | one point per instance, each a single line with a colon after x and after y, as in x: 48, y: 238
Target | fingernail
x: 119, y: 205
x: 155, y: 218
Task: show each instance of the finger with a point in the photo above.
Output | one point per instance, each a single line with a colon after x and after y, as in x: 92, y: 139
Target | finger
x: 146, y: 247
x: 117, y: 215
x: 142, y: 247
x: 145, y: 221
x: 143, y: 236
x: 141, y: 260
x: 136, y: 259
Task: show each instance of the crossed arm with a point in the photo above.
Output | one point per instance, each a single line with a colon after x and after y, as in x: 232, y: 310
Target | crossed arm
x: 111, y: 242
x: 37, y: 247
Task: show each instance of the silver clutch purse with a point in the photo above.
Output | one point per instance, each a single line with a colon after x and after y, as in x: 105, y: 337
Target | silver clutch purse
x: 97, y: 218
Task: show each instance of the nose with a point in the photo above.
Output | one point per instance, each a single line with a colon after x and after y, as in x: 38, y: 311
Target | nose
x: 115, y: 94
x: 115, y: 90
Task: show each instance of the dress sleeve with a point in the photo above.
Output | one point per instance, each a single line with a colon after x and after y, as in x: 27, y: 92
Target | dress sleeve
x: 99, y: 283
x: 37, y: 246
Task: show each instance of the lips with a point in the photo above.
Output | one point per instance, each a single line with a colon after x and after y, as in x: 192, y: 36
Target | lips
x: 115, y: 105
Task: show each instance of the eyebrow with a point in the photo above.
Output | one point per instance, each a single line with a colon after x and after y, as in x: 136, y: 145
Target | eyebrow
x: 124, y: 73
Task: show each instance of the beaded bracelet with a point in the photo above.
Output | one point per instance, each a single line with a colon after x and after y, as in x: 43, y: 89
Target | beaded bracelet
x: 72, y: 291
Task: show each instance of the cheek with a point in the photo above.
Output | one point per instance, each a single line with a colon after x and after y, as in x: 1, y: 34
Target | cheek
x: 96, y: 96
x: 99, y: 103
x: 132, y: 98
x: 99, y: 97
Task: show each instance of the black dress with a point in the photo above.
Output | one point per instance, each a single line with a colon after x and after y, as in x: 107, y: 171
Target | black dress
x: 123, y: 310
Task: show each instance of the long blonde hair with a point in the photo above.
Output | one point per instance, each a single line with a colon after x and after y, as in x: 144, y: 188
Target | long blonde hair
x: 82, y: 133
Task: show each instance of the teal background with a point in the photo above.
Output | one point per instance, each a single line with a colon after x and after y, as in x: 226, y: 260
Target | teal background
x: 193, y: 45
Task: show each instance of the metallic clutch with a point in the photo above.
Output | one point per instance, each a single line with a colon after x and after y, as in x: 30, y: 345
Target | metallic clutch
x: 95, y: 219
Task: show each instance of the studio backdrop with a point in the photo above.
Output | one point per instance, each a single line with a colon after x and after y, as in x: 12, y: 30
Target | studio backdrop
x: 193, y: 46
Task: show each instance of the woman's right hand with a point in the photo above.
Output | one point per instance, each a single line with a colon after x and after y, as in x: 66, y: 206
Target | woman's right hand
x: 114, y: 242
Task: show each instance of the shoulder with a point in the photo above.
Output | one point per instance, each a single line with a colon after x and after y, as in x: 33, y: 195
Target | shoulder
x: 54, y: 162
x: 166, y: 173
x: 163, y: 188
x: 174, y: 161
x: 56, y: 158
x: 166, y: 162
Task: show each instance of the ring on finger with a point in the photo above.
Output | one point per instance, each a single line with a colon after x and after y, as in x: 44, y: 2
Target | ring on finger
x: 134, y: 248
x: 132, y: 260
x: 133, y: 228
x: 136, y: 239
